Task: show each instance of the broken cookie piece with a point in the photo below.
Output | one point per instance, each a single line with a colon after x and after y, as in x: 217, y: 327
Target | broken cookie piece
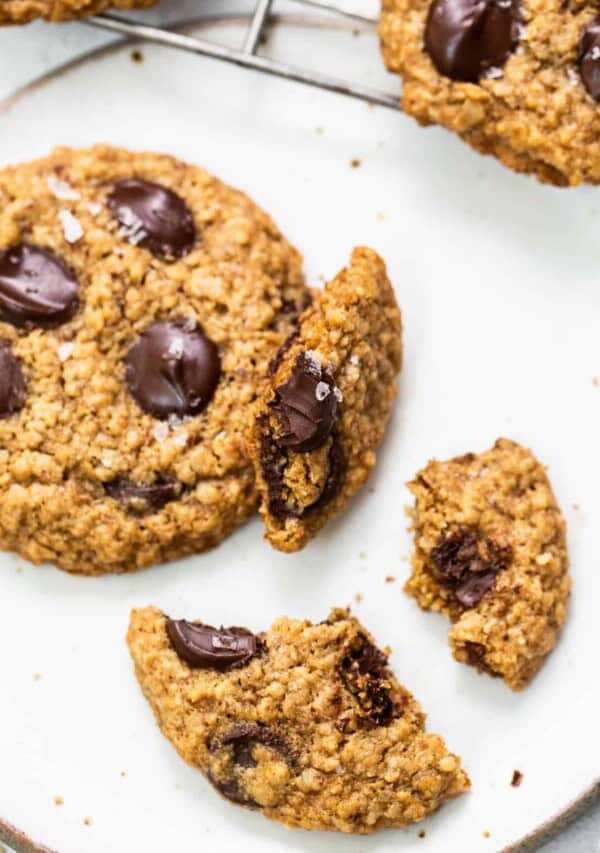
x: 490, y: 553
x: 317, y: 427
x: 304, y: 722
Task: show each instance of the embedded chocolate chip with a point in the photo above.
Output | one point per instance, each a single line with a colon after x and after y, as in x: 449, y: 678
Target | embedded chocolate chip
x: 475, y: 653
x: 144, y: 495
x: 589, y: 59
x: 275, y: 362
x: 242, y: 739
x: 306, y: 406
x: 173, y: 370
x: 364, y: 671
x: 231, y: 790
x: 152, y: 216
x: 206, y: 647
x: 36, y: 287
x: 12, y: 384
x: 466, y: 38
x: 469, y: 562
x: 335, y: 477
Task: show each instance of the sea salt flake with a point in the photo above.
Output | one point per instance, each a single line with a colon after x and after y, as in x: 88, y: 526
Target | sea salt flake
x: 174, y: 421
x: 180, y: 439
x: 595, y: 52
x: 161, y: 432
x: 493, y: 73
x: 132, y: 227
x: 312, y: 360
x: 66, y: 350
x: 107, y: 461
x: 94, y: 207
x: 175, y: 349
x: 354, y: 359
x: 338, y: 394
x: 61, y: 189
x: 71, y: 226
x: 322, y: 391
x: 573, y: 77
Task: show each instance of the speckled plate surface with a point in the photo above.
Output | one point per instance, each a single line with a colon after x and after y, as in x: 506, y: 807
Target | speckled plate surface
x: 498, y: 280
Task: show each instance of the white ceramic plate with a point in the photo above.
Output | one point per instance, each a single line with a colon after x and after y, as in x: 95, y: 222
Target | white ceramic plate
x: 497, y: 277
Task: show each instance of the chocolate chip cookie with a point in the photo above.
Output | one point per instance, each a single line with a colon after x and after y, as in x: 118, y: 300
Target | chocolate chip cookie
x: 24, y: 11
x: 490, y: 553
x: 519, y: 80
x: 141, y: 302
x: 304, y: 722
x: 333, y: 383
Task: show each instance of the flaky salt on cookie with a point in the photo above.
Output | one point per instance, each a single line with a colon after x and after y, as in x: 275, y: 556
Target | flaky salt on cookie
x: 491, y: 553
x: 324, y: 413
x: 303, y: 722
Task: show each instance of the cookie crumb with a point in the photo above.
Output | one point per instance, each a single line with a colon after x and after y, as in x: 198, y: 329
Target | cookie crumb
x: 123, y: 773
x: 137, y: 56
x: 390, y: 579
x: 319, y: 130
x: 421, y: 833
x: 58, y: 800
x: 37, y: 676
x: 358, y: 597
x: 517, y: 778
x: 380, y: 217
x: 486, y: 834
x: 355, y: 163
x: 596, y: 381
x: 87, y: 821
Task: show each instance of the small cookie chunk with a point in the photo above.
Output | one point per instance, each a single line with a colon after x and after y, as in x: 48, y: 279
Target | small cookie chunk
x: 491, y: 553
x: 517, y: 80
x: 24, y: 11
x: 141, y: 303
x: 317, y: 427
x: 304, y: 722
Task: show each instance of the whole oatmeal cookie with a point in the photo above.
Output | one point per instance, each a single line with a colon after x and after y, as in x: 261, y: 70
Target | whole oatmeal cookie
x: 519, y: 80
x: 324, y: 413
x: 491, y: 553
x: 141, y: 302
x: 24, y: 11
x: 304, y: 722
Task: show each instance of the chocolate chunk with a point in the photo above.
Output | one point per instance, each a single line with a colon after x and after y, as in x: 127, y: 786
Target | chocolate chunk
x: 36, y: 288
x: 242, y: 739
x: 12, y: 384
x: 205, y: 647
x: 469, y: 562
x: 231, y: 790
x: 274, y: 459
x: 517, y: 778
x: 476, y: 657
x: 275, y: 362
x: 306, y: 406
x: 363, y: 669
x: 153, y: 216
x: 589, y: 59
x: 173, y: 370
x: 144, y: 495
x: 465, y: 38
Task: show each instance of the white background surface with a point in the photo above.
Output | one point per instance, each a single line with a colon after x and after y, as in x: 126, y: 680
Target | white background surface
x: 497, y: 278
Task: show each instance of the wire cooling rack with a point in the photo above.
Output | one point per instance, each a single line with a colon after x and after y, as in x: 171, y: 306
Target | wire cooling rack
x: 248, y: 56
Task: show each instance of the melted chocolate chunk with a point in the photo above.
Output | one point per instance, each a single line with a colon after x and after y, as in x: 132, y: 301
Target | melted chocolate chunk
x: 205, y: 647
x: 589, y: 59
x: 274, y: 459
x: 231, y: 790
x: 144, y: 495
x: 12, y: 384
x: 465, y: 38
x: 36, y: 288
x: 306, y: 406
x: 363, y: 669
x: 173, y: 370
x: 476, y: 657
x: 153, y: 216
x: 275, y: 362
x: 469, y: 562
x: 242, y: 739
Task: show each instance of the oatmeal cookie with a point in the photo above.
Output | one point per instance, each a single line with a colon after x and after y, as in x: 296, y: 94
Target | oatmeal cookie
x: 141, y: 302
x: 318, y: 425
x: 24, y: 11
x: 519, y: 80
x: 491, y: 553
x: 304, y: 722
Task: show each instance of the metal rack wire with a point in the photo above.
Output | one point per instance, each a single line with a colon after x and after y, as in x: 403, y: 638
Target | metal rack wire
x: 248, y: 56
